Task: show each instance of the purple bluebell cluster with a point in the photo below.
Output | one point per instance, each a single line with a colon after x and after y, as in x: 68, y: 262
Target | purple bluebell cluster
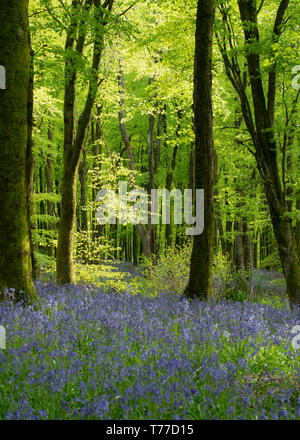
x: 86, y: 354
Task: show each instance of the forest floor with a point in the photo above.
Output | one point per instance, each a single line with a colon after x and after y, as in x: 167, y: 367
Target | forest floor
x: 87, y: 353
x: 262, y: 277
x: 125, y: 267
x: 263, y: 280
x: 269, y: 281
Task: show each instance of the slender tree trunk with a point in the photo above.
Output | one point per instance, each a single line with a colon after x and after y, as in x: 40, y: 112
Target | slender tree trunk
x: 262, y: 133
x: 82, y: 178
x: 50, y: 205
x: 248, y: 246
x: 135, y: 246
x: 200, y: 282
x: 41, y: 222
x: 73, y: 144
x: 239, y: 254
x: 97, y: 137
x: 83, y: 208
x: 143, y: 231
x: 64, y: 263
x: 171, y: 170
x: 265, y: 147
x: 239, y: 246
x: 226, y: 239
x: 150, y: 229
x: 15, y: 250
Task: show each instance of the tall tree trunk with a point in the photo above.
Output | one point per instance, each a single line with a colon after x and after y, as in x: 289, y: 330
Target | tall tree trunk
x: 298, y: 224
x: 171, y: 170
x: 143, y: 231
x: 239, y: 246
x: 84, y: 251
x: 265, y: 146
x: 82, y: 178
x: 226, y: 238
x: 200, y: 282
x: 150, y: 229
x: 261, y: 130
x: 97, y: 137
x: 41, y: 191
x: 50, y: 205
x: 73, y: 144
x: 15, y: 252
x: 153, y: 161
x: 135, y: 246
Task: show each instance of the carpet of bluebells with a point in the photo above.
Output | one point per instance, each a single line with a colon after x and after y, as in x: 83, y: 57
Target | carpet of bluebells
x: 85, y: 354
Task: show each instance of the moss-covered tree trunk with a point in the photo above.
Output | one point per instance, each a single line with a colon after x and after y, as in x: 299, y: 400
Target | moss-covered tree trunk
x: 298, y: 225
x: 200, y: 282
x: 15, y: 257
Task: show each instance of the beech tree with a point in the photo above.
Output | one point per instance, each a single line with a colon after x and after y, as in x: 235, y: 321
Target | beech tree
x: 260, y: 125
x: 200, y: 282
x: 73, y: 143
x: 15, y: 251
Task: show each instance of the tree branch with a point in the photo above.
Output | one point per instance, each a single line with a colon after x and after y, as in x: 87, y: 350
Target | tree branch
x: 277, y: 30
x: 128, y: 9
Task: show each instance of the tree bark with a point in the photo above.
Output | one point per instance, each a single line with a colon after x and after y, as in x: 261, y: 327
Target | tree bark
x: 50, y: 190
x: 261, y: 130
x: 15, y: 252
x: 82, y: 178
x: 73, y: 144
x: 84, y: 248
x: 144, y: 232
x: 171, y: 170
x: 200, y: 281
x: 239, y: 246
x: 272, y: 75
x: 97, y: 136
x: 298, y: 225
x: 263, y: 137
